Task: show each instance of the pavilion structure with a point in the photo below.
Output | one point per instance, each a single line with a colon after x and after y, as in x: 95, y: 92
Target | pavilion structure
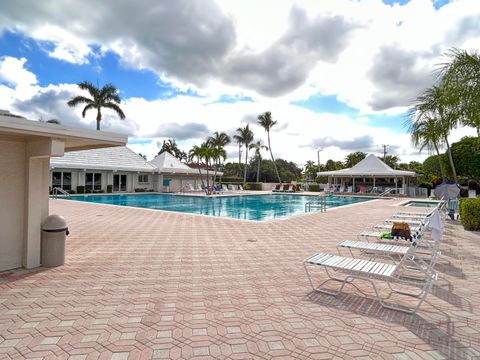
x: 369, y: 175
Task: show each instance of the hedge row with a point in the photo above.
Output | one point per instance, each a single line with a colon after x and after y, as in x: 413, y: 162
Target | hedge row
x: 470, y: 213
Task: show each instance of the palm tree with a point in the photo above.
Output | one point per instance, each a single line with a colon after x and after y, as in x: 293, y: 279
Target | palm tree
x: 219, y: 139
x: 258, y: 147
x: 106, y: 97
x: 195, y: 153
x: 265, y: 120
x: 238, y: 140
x: 218, y: 153
x: 424, y: 133
x: 435, y: 103
x: 461, y: 77
x: 245, y: 135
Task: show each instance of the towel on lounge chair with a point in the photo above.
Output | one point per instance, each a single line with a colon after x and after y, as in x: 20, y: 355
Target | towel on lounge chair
x: 436, y: 226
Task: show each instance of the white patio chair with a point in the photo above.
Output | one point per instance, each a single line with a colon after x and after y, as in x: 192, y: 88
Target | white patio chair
x: 225, y: 188
x: 366, y: 270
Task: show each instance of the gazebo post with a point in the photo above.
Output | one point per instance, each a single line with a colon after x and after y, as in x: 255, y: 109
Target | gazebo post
x: 353, y: 186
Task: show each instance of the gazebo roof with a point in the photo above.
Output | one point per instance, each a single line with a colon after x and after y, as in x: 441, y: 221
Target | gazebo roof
x: 370, y: 166
x: 168, y: 164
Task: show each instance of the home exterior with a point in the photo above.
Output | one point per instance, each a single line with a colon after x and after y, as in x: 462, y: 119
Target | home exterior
x: 26, y: 148
x: 120, y: 169
x: 117, y: 169
x: 175, y: 176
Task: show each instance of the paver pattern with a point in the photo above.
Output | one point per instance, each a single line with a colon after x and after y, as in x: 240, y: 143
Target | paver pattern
x: 142, y: 284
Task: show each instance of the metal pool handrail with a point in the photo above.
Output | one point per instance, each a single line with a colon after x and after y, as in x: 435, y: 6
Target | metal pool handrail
x: 320, y: 202
x: 57, y: 190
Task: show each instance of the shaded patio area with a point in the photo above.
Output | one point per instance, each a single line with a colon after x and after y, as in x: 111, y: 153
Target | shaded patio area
x: 141, y: 284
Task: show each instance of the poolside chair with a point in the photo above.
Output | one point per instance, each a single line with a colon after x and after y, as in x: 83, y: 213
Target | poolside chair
x: 281, y: 188
x: 366, y: 270
x: 240, y: 187
x: 231, y: 187
x: 217, y: 189
x: 276, y: 188
x: 190, y: 188
x: 287, y: 188
x: 452, y: 209
x: 225, y: 188
x: 199, y: 187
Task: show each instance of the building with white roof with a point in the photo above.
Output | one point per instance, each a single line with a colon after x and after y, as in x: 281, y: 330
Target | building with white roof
x: 120, y: 169
x: 369, y: 173
x: 26, y: 148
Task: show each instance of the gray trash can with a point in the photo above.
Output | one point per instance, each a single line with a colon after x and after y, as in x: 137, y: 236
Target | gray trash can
x: 54, y: 234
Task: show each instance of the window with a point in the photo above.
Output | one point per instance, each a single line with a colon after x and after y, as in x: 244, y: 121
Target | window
x: 143, y: 178
x: 93, y: 181
x: 62, y: 180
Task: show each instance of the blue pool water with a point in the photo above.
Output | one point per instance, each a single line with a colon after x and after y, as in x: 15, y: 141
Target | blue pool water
x: 421, y: 203
x: 246, y: 207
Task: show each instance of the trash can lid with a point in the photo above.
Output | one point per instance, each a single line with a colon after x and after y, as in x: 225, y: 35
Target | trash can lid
x: 54, y: 222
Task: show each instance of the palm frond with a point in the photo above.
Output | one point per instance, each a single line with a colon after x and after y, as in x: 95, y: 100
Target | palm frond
x: 79, y: 100
x: 115, y: 108
x: 86, y: 108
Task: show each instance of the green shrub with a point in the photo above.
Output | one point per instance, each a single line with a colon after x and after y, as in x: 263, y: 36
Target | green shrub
x: 314, y: 187
x: 253, y: 186
x: 140, y: 190
x: 80, y: 189
x: 109, y: 189
x: 470, y: 213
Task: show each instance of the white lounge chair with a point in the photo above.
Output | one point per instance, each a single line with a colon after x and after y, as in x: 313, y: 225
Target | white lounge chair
x: 225, y: 188
x: 231, y: 187
x: 190, y: 188
x: 367, y: 270
x: 240, y: 187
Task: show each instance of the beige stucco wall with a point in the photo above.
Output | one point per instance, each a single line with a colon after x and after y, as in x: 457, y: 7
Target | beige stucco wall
x: 12, y: 203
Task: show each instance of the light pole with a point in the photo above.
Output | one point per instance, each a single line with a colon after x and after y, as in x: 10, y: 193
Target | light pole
x: 318, y: 157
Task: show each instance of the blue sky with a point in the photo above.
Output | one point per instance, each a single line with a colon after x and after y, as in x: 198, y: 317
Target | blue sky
x: 186, y: 74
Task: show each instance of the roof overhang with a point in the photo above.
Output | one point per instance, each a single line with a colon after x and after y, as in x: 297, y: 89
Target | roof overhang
x: 347, y: 174
x: 74, y: 138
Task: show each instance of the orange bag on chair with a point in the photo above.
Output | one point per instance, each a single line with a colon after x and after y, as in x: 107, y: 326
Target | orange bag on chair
x: 401, y: 230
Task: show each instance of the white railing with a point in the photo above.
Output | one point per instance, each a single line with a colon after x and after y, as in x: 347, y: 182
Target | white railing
x: 387, y: 192
x: 320, y: 202
x: 57, y: 190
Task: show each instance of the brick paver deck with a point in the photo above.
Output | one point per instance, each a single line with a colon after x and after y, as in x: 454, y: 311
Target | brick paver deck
x: 141, y: 284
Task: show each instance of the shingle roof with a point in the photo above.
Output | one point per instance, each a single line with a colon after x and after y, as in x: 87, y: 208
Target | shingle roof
x: 369, y: 166
x: 114, y: 158
x: 167, y: 163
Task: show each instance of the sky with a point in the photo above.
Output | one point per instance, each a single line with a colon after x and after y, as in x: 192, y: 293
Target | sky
x: 337, y: 75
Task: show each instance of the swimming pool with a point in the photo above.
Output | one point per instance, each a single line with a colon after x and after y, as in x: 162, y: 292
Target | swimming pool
x: 245, y: 207
x: 421, y: 203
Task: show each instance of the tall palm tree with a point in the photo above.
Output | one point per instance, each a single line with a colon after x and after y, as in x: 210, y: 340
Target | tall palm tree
x: 238, y: 140
x: 424, y: 133
x: 258, y: 147
x: 436, y: 103
x: 106, y: 97
x: 206, y: 154
x: 461, y: 77
x: 195, y: 153
x: 245, y: 135
x: 265, y: 120
x: 219, y: 139
x: 218, y: 154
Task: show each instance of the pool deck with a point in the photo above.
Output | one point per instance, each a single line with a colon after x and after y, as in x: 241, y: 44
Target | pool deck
x: 141, y: 284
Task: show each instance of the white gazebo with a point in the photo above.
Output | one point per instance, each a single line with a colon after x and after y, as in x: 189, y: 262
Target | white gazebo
x: 369, y: 174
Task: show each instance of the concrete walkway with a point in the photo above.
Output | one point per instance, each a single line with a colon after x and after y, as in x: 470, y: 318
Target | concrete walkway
x: 141, y: 284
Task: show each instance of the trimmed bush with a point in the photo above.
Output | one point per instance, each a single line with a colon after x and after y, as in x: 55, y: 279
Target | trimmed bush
x: 253, y: 186
x: 470, y: 213
x: 109, y: 189
x: 80, y: 189
x: 314, y: 187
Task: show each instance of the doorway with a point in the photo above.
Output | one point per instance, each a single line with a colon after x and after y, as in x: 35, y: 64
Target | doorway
x: 119, y: 182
